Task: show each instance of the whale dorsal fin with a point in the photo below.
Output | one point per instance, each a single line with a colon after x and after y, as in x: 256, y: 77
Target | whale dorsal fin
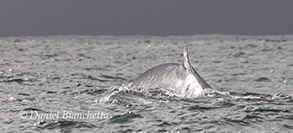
x: 186, y: 63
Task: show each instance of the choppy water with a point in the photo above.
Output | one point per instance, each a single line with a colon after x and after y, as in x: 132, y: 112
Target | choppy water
x: 75, y: 83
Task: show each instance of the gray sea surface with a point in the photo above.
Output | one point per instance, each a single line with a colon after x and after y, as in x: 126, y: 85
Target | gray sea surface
x: 77, y: 84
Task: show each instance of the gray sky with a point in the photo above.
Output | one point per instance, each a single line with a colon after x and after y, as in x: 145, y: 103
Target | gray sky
x: 145, y: 17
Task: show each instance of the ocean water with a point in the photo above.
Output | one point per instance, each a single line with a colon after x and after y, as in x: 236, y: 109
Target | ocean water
x: 78, y: 84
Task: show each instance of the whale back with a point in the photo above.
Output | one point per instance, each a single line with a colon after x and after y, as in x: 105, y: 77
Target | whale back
x: 177, y: 78
x: 157, y: 77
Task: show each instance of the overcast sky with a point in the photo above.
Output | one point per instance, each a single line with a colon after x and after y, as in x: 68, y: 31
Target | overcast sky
x: 145, y: 17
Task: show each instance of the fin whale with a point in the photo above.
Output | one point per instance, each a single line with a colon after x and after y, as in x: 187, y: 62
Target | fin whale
x: 179, y: 79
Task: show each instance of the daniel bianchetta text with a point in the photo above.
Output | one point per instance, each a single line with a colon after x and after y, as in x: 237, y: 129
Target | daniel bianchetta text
x: 65, y: 114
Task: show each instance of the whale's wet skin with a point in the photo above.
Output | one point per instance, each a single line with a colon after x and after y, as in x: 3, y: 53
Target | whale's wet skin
x: 178, y: 79
x: 246, y: 84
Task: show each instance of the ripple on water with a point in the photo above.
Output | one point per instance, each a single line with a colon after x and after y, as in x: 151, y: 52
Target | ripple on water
x: 64, y: 125
x: 125, y: 118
